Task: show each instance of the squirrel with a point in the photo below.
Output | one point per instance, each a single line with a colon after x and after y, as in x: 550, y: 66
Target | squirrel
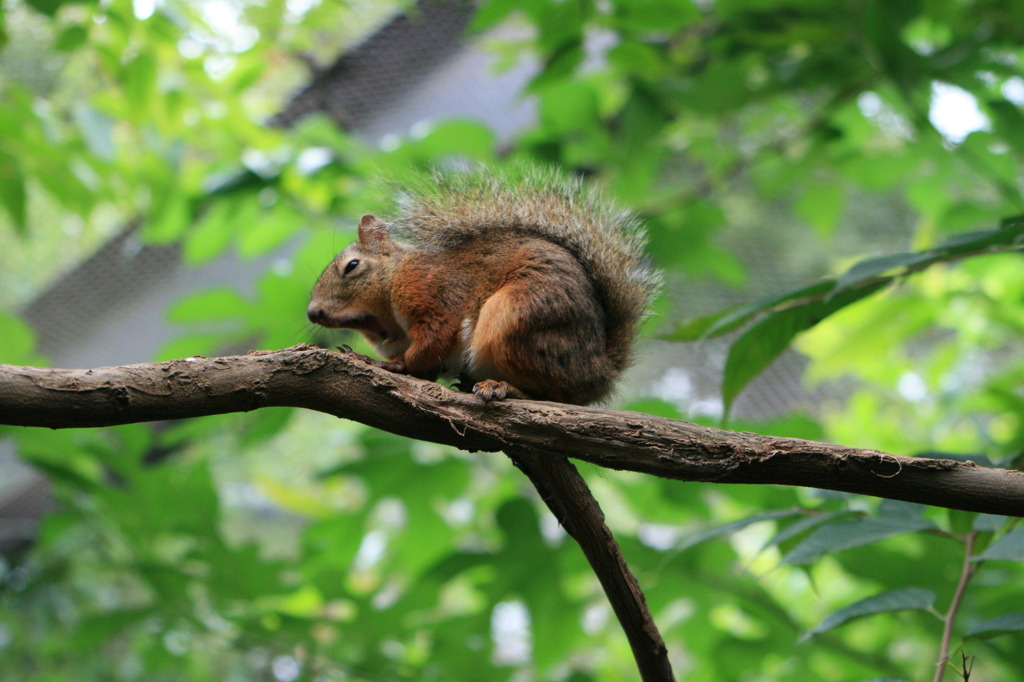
x: 526, y: 288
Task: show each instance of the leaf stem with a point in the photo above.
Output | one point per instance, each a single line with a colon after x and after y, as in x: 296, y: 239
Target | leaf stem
x: 968, y: 571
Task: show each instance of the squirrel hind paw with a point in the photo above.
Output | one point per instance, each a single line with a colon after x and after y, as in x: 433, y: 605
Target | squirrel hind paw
x: 491, y: 389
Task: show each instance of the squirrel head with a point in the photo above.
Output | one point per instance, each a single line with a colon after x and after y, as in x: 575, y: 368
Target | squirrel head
x: 354, y: 290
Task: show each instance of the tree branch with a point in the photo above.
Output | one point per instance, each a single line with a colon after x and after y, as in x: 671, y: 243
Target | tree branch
x: 570, y: 500
x: 341, y: 385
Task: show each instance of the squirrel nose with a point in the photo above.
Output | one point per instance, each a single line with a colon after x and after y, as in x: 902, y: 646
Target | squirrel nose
x: 315, y: 313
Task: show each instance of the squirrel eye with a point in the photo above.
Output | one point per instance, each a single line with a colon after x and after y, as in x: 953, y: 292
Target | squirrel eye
x: 351, y: 265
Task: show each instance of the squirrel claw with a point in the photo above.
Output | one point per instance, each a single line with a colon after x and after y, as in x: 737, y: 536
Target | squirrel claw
x: 490, y: 389
x: 345, y: 348
x: 398, y: 366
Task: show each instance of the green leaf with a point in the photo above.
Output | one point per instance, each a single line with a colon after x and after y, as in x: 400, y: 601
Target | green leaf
x: 97, y: 130
x: 716, y: 89
x: 696, y: 328
x: 211, y: 235
x: 655, y: 15
x: 71, y: 38
x: 960, y: 522
x: 805, y: 525
x: 264, y: 423
x: 17, y: 341
x: 561, y: 26
x: 140, y: 82
x: 1011, y: 234
x: 641, y: 121
x: 206, y: 343
x: 725, y: 321
x: 900, y: 509
x: 822, y: 207
x: 758, y: 347
x: 94, y: 631
x: 459, y: 137
x: 872, y: 268
x: 568, y: 107
x: 1010, y: 547
x: 990, y: 522
x: 842, y: 535
x: 243, y: 573
x: 272, y: 229
x: 12, y: 193
x: 215, y: 304
x: 744, y: 313
x: 48, y: 7
x: 1009, y: 123
x: 737, y: 525
x: 637, y: 57
x: 61, y: 455
x: 492, y: 12
x: 904, y: 599
x: 1007, y: 624
x: 168, y: 219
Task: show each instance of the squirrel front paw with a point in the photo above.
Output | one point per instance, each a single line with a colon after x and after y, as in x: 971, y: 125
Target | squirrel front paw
x: 398, y: 366
x: 490, y: 389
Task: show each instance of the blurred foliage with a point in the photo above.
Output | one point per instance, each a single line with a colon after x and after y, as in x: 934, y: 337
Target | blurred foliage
x: 803, y: 185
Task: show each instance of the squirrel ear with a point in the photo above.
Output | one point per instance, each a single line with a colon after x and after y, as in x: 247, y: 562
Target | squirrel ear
x: 373, y: 232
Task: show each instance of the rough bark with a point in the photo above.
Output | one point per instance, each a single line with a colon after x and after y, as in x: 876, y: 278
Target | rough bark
x: 341, y: 385
x: 570, y: 500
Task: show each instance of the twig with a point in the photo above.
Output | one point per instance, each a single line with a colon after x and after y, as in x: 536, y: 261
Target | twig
x: 966, y: 666
x: 969, y: 569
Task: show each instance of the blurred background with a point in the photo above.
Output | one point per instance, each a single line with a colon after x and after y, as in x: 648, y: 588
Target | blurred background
x: 174, y: 176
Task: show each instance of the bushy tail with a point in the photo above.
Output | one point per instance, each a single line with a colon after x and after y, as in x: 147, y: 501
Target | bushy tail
x: 447, y: 208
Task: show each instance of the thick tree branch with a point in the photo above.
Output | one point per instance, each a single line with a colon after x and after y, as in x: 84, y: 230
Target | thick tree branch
x: 341, y: 385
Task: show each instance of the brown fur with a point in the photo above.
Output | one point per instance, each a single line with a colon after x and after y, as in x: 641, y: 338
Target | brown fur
x: 505, y: 307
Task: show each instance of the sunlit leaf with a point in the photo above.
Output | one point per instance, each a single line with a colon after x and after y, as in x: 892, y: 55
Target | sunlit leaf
x: 140, y: 81
x: 568, y: 107
x: 459, y: 137
x: 736, y: 525
x: 18, y: 341
x: 215, y: 304
x: 822, y: 206
x: 762, y: 343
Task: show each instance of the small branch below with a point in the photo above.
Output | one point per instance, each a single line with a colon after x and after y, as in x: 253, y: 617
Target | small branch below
x: 570, y: 500
x: 970, y: 567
